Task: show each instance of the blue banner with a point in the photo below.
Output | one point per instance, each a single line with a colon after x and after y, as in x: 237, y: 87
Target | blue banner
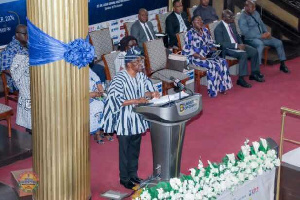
x: 105, y: 10
x: 12, y: 12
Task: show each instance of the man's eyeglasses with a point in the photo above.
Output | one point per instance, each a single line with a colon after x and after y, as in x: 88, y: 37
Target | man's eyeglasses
x: 140, y: 60
x: 22, y: 33
x: 133, y: 45
x: 230, y: 16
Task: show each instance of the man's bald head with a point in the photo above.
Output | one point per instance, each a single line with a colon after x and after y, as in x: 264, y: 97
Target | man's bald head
x: 250, y: 6
x: 226, y: 13
x: 204, y: 3
x: 21, y: 28
x: 21, y: 34
x: 228, y: 16
x: 250, y: 2
x: 143, y: 15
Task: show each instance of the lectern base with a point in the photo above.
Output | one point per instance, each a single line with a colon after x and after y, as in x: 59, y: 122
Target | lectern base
x: 167, y: 140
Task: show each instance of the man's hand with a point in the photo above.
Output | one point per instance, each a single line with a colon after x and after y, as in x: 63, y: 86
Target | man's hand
x: 266, y: 35
x: 95, y: 94
x: 141, y: 100
x: 155, y: 94
x: 241, y: 46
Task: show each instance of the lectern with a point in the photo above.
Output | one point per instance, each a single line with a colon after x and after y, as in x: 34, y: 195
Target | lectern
x: 167, y: 128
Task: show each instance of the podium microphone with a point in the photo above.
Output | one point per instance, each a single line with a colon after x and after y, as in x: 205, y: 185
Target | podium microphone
x: 178, y: 84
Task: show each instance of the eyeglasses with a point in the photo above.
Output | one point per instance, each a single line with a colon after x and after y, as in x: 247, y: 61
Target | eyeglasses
x: 133, y: 45
x: 22, y: 33
x: 139, y: 61
x: 230, y: 16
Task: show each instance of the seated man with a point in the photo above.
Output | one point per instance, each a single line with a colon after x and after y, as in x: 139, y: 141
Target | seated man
x: 128, y: 88
x: 227, y: 36
x: 142, y: 29
x: 257, y: 35
x: 176, y: 22
x: 207, y: 13
x: 18, y: 45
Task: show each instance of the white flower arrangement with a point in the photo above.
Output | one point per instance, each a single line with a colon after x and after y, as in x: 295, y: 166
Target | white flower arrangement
x: 211, y: 181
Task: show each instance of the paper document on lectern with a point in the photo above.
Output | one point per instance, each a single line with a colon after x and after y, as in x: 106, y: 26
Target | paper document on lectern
x: 168, y: 98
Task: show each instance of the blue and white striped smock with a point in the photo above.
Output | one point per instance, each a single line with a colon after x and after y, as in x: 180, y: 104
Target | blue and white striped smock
x: 120, y: 118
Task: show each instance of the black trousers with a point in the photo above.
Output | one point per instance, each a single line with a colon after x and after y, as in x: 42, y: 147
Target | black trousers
x: 129, y: 152
x: 251, y: 53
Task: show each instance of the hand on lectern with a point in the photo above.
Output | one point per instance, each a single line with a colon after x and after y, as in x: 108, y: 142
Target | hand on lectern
x: 155, y: 94
x: 141, y: 100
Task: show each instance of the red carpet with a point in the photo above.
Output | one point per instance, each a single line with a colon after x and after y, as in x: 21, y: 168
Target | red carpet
x: 223, y: 126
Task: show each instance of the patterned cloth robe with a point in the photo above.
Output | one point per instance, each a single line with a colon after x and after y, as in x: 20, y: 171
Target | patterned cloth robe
x: 96, y: 104
x: 218, y: 78
x: 120, y: 118
x: 20, y: 74
x: 6, y: 58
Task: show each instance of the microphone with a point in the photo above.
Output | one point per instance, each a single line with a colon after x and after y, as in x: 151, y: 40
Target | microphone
x: 177, y: 83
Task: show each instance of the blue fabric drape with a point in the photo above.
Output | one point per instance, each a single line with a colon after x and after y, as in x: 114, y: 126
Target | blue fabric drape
x: 45, y: 49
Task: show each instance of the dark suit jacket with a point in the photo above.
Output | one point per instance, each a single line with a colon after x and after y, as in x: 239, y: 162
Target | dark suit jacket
x: 173, y: 27
x: 208, y: 14
x: 138, y: 32
x: 222, y: 37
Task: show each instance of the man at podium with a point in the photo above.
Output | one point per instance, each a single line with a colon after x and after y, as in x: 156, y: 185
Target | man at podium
x: 127, y: 89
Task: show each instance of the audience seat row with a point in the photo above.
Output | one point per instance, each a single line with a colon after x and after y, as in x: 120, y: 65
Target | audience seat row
x: 156, y: 57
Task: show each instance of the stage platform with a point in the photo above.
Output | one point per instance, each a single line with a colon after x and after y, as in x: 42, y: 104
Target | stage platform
x: 18, y: 147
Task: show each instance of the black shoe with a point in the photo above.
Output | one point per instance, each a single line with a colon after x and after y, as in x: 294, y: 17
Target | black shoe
x: 136, y: 180
x: 256, y: 78
x: 243, y: 83
x: 284, y: 69
x: 127, y: 184
x: 260, y: 75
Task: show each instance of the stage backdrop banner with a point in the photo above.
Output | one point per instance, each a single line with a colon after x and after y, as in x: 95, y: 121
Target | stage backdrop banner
x: 117, y: 31
x: 11, y: 11
x: 113, y: 14
x: 106, y: 10
x: 102, y: 14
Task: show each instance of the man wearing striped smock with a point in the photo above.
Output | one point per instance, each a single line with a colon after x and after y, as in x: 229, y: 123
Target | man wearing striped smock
x: 127, y: 89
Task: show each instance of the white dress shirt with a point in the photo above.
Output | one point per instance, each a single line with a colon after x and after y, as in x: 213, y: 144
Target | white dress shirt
x: 229, y: 33
x: 120, y: 61
x: 181, y: 22
x: 143, y: 25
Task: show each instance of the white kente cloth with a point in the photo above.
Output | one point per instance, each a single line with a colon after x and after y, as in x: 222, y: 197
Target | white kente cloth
x: 20, y: 74
x: 96, y: 104
x: 120, y: 118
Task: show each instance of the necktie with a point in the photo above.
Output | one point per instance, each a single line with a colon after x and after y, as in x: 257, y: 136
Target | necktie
x: 148, y: 33
x: 232, y: 34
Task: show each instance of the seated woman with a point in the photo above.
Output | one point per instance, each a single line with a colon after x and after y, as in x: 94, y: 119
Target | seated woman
x: 198, y: 45
x: 96, y: 107
x: 126, y: 43
x: 20, y: 74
